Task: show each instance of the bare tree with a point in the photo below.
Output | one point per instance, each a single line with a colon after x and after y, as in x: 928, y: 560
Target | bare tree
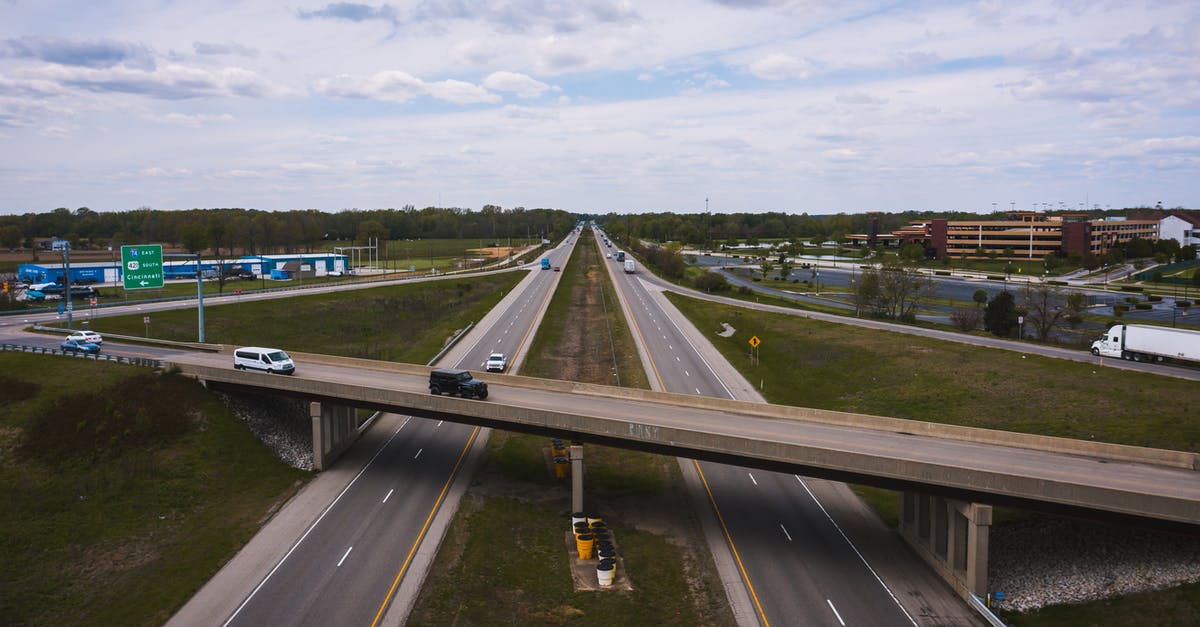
x: 902, y: 289
x: 1045, y: 308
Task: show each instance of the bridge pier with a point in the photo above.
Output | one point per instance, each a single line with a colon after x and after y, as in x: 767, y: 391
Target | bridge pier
x: 952, y: 536
x: 334, y: 429
x: 576, y: 478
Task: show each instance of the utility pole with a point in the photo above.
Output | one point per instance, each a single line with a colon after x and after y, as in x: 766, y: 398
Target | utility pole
x: 67, y: 282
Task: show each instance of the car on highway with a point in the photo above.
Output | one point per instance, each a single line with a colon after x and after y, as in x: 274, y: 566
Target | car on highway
x: 453, y: 381
x: 556, y: 268
x: 271, y: 360
x: 87, y: 336
x: 496, y: 362
x: 79, y: 346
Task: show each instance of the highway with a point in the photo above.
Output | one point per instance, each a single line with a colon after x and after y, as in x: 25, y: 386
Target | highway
x: 757, y: 502
x: 786, y: 549
x: 364, y: 550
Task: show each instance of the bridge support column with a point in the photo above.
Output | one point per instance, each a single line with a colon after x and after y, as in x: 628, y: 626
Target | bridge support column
x: 952, y: 536
x: 576, y: 478
x: 334, y: 429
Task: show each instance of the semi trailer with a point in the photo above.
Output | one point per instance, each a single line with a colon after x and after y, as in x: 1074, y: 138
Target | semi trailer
x: 1146, y: 343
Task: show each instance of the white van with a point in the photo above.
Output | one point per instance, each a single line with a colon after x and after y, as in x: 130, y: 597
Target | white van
x: 270, y: 359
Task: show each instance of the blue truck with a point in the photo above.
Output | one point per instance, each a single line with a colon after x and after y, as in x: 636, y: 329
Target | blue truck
x: 545, y: 263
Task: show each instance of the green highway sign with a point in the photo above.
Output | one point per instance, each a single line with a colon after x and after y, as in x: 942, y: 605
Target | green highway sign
x: 142, y: 266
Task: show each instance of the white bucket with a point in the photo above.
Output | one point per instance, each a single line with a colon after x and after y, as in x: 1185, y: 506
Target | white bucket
x: 605, y: 573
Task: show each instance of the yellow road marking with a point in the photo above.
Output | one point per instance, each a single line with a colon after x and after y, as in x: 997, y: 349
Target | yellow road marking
x: 424, y: 528
x: 720, y: 519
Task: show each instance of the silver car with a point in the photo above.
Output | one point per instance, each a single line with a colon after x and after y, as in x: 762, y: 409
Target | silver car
x: 496, y: 362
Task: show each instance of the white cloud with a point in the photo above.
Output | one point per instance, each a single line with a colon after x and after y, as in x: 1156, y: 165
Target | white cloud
x: 520, y: 84
x: 778, y: 66
x: 777, y: 104
x: 397, y: 86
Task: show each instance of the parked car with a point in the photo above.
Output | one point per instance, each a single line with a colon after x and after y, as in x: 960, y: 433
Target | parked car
x: 87, y: 336
x: 77, y: 346
x: 452, y: 381
x: 496, y: 362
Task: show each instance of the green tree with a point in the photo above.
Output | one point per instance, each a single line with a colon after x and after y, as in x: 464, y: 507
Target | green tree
x: 980, y: 297
x: 866, y: 292
x: 369, y: 229
x: 1186, y: 253
x: 912, y: 254
x: 11, y: 236
x: 766, y: 268
x: 194, y: 237
x: 711, y: 281
x: 1076, y: 305
x: 785, y: 268
x: 1001, y: 315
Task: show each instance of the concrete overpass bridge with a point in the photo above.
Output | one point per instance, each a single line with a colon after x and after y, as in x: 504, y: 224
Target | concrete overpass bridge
x: 943, y: 471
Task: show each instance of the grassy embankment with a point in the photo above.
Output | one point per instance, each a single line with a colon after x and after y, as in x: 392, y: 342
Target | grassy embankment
x: 407, y: 323
x: 395, y: 260
x: 504, y: 558
x: 840, y: 367
x: 125, y: 491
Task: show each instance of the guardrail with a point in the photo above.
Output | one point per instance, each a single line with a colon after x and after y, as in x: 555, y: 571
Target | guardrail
x: 121, y: 359
x: 202, y: 346
x: 985, y: 612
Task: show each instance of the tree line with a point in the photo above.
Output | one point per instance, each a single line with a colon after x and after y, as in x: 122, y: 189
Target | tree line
x: 265, y: 232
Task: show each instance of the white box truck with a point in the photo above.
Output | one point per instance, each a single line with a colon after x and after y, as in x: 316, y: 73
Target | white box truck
x: 630, y: 267
x: 1143, y: 343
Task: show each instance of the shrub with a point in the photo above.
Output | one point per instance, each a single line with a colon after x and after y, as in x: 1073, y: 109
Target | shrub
x: 1119, y: 310
x: 1183, y: 303
x: 1154, y: 299
x: 966, y: 319
x: 1131, y: 288
x: 1144, y: 306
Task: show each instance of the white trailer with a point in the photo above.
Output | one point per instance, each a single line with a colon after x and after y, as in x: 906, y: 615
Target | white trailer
x: 1143, y: 343
x: 630, y: 267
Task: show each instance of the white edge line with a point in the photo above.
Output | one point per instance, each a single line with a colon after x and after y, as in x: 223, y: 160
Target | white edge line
x: 855, y: 549
x: 314, y: 525
x: 835, y: 612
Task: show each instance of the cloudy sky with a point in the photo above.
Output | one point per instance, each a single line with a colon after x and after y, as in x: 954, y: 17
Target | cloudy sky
x: 599, y: 105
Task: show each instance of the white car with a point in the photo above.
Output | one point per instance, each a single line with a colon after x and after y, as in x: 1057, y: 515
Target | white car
x: 87, y: 336
x: 496, y: 362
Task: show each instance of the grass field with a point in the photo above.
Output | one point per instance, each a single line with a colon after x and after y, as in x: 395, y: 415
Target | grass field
x: 124, y: 491
x: 834, y: 366
x: 406, y: 323
x: 504, y: 558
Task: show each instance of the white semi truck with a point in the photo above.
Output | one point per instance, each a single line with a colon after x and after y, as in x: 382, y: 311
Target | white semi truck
x: 1143, y: 343
x: 630, y: 266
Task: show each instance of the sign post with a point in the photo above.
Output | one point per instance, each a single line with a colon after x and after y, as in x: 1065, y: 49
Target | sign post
x: 754, y: 342
x: 142, y: 266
